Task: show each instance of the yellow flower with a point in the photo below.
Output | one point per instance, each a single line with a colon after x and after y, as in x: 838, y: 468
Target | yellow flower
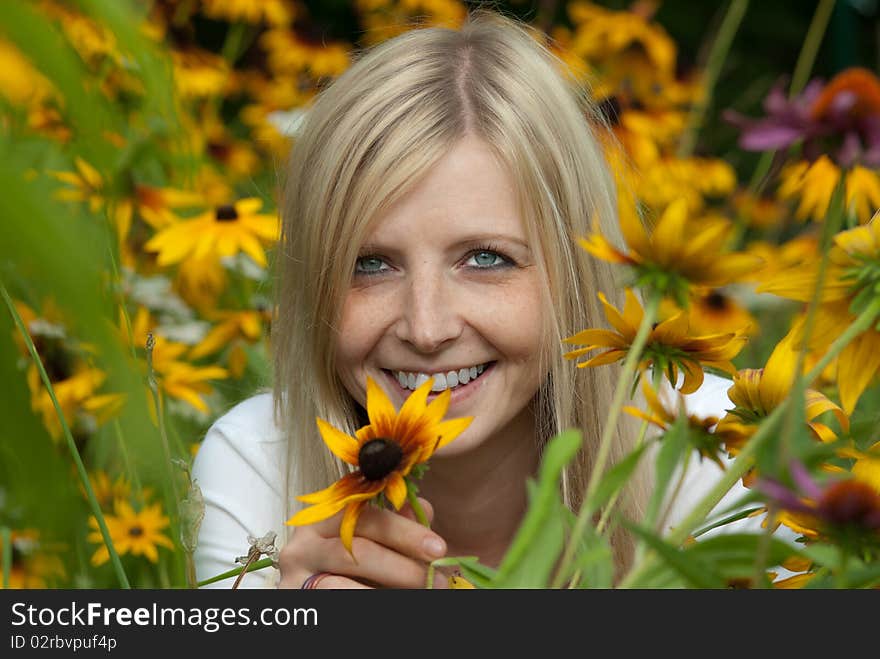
x: 199, y: 73
x: 107, y: 491
x: 664, y: 415
x: 669, y: 346
x: 224, y: 231
x: 234, y: 328
x: 290, y: 53
x: 458, y: 582
x: 178, y: 378
x: 757, y: 392
x: 384, y: 19
x: 676, y: 253
x: 693, y: 179
x: 713, y: 311
x: 273, y: 12
x: 814, y: 184
x: 777, y: 258
x: 138, y: 533
x: 20, y: 82
x: 851, y: 281
x: 383, y: 453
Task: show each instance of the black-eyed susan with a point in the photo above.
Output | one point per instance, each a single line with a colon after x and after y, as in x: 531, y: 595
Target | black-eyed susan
x: 383, y: 454
x: 756, y: 392
x: 663, y: 415
x: 844, y: 510
x: 851, y: 284
x: 176, y: 376
x: 670, y: 345
x: 137, y: 533
x: 223, y: 231
x: 233, y: 329
x: 813, y: 184
x: 676, y: 254
x: 273, y: 12
x: 713, y: 311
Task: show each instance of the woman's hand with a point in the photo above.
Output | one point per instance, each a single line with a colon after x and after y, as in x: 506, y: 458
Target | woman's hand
x: 391, y: 550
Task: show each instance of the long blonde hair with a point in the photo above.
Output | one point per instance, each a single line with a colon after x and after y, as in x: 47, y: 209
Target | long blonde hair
x: 374, y: 132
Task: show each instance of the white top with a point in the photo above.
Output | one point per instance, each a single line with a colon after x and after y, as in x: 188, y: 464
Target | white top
x: 241, y: 464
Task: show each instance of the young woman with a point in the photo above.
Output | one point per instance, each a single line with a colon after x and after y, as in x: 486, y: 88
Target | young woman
x: 430, y: 214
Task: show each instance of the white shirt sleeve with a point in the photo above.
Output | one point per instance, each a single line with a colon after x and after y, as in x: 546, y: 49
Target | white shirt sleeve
x: 240, y: 469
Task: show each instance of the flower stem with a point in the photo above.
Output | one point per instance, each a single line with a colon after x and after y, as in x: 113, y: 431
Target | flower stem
x: 160, y: 419
x: 71, y: 444
x: 416, y: 506
x: 810, y: 49
x: 253, y: 567
x: 717, y: 55
x: 633, y: 357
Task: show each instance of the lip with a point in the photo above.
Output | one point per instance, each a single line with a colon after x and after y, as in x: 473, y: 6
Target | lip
x: 460, y: 393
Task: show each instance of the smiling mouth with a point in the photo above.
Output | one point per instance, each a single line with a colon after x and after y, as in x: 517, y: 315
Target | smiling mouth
x: 448, y: 380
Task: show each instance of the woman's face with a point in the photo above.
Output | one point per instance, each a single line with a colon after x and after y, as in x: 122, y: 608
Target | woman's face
x: 446, y: 285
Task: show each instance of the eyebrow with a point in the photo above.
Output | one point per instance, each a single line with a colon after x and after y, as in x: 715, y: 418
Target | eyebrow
x: 475, y: 239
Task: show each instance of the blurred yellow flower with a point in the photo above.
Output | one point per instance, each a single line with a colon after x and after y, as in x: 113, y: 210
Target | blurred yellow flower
x: 199, y: 73
x: 20, y: 82
x: 676, y: 253
x: 178, y: 378
x: 851, y: 281
x: 814, y: 183
x: 290, y: 53
x: 273, y: 12
x: 669, y: 346
x: 713, y: 311
x: 137, y: 533
x: 223, y: 231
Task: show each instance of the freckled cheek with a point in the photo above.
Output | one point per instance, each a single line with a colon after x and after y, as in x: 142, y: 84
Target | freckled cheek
x: 365, y: 319
x: 510, y: 319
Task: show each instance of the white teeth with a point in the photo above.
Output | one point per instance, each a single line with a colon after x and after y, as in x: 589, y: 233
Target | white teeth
x: 442, y: 381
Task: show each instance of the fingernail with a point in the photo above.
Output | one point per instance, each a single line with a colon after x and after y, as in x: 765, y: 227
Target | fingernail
x: 434, y: 546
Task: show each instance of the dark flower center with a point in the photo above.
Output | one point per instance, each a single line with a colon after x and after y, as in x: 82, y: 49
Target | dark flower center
x: 851, y: 502
x: 135, y: 531
x: 226, y: 213
x: 716, y: 300
x: 379, y: 457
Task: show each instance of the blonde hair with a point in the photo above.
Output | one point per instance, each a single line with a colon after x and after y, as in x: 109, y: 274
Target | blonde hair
x: 374, y: 132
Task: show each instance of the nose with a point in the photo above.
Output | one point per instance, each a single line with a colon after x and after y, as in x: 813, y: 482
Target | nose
x: 430, y: 314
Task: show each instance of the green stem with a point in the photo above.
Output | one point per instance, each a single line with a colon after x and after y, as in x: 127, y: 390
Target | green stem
x: 831, y: 227
x: 633, y: 356
x: 606, y: 512
x: 160, y: 418
x: 6, y: 544
x: 810, y: 49
x: 416, y: 506
x: 71, y: 444
x: 717, y: 55
x: 256, y: 565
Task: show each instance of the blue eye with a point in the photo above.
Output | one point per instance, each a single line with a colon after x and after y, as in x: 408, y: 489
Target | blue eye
x: 369, y: 265
x: 485, y: 259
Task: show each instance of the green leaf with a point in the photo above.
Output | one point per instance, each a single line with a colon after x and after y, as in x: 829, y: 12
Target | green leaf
x: 733, y: 555
x: 615, y: 478
x: 695, y: 571
x: 595, y: 561
x: 542, y: 522
x: 673, y: 445
x: 471, y: 569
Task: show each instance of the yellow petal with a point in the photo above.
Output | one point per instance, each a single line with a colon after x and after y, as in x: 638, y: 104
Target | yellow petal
x: 669, y: 234
x: 380, y: 410
x: 449, y: 430
x: 615, y: 319
x: 779, y: 374
x: 349, y: 522
x: 856, y: 367
x: 341, y: 445
x: 395, y: 490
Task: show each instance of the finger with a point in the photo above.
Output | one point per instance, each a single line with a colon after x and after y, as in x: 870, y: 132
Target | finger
x: 401, y: 533
x: 339, y: 582
x: 375, y: 563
